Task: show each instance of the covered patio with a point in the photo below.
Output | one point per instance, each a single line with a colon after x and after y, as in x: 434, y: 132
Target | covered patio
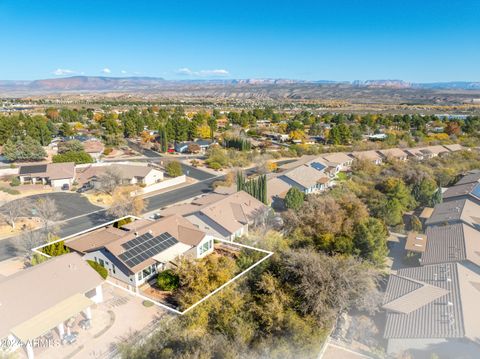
x: 37, y: 331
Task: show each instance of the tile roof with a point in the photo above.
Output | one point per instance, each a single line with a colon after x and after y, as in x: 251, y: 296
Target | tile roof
x: 337, y: 158
x: 454, y: 211
x: 305, y: 175
x: 437, y: 315
x: 231, y: 211
x: 452, y: 243
x: 455, y: 147
x: 470, y: 189
x: 277, y: 188
x: 393, y: 152
x: 469, y: 178
x: 126, y: 171
x: 234, y: 211
x: 437, y: 149
x: 367, y: 155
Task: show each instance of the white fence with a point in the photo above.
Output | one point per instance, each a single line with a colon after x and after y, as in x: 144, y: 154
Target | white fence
x: 160, y: 185
x: 8, y: 171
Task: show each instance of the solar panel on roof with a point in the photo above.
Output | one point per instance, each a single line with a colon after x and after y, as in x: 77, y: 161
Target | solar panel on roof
x: 318, y: 166
x: 476, y: 190
x: 144, y: 247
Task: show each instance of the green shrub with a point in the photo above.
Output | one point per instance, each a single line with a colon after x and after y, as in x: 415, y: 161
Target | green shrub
x: 215, y: 166
x: 15, y: 182
x: 174, y: 169
x: 100, y: 269
x: 167, y: 280
x: 77, y: 157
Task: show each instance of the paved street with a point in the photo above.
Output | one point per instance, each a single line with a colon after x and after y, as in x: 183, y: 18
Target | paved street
x: 77, y: 224
x: 78, y: 215
x: 69, y: 204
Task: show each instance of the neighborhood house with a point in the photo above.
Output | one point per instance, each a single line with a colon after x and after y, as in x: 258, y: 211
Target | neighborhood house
x: 56, y: 175
x: 139, y: 250
x: 222, y: 216
x: 130, y: 174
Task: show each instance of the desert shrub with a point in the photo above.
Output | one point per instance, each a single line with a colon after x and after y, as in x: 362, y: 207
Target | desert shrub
x: 15, y: 182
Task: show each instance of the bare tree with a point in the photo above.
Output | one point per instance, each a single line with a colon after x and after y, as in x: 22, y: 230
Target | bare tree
x: 47, y: 210
x: 13, y: 210
x: 124, y: 204
x: 328, y: 285
x: 110, y: 180
x: 29, y: 240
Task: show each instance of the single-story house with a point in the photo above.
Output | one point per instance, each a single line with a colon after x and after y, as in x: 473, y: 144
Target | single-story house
x: 454, y: 147
x: 463, y: 191
x: 94, y: 148
x: 308, y: 178
x: 136, y: 252
x: 433, y: 308
x: 419, y: 153
x: 395, y: 153
x: 371, y: 156
x: 338, y: 159
x: 130, y: 174
x: 41, y: 298
x: 182, y: 147
x: 224, y: 216
x: 455, y: 211
x: 54, y: 174
x: 438, y: 150
x: 452, y: 243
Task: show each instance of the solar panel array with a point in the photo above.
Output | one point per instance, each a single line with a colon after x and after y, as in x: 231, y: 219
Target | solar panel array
x: 318, y: 166
x: 476, y: 191
x: 144, y: 247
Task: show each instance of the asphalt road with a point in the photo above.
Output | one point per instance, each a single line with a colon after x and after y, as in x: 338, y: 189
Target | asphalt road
x: 75, y: 222
x: 69, y: 204
x: 86, y: 221
x: 153, y: 156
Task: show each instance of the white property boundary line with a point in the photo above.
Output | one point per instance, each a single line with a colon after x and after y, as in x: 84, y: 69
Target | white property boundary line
x: 36, y: 249
x: 268, y: 255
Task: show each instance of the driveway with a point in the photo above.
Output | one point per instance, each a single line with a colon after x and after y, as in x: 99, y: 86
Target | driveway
x: 69, y: 204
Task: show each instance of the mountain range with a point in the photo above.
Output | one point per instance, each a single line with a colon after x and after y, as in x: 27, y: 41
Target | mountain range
x: 148, y: 84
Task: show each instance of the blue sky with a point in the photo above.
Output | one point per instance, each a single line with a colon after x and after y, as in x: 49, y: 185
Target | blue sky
x: 420, y: 41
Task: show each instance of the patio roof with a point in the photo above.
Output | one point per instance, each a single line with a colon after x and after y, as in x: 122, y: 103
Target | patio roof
x: 50, y: 318
x: 171, y: 253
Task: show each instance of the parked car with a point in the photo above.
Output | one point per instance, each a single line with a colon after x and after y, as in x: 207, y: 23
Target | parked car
x: 84, y: 188
x: 65, y: 187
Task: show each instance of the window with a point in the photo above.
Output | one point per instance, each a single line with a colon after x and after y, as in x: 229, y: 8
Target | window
x: 205, y: 247
x: 101, y: 262
x: 139, y: 276
x: 113, y: 268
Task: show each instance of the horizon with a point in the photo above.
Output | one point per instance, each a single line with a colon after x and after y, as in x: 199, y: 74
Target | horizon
x: 226, y: 79
x: 431, y: 41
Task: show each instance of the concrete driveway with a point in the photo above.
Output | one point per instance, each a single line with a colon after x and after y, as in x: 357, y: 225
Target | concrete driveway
x: 69, y: 204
